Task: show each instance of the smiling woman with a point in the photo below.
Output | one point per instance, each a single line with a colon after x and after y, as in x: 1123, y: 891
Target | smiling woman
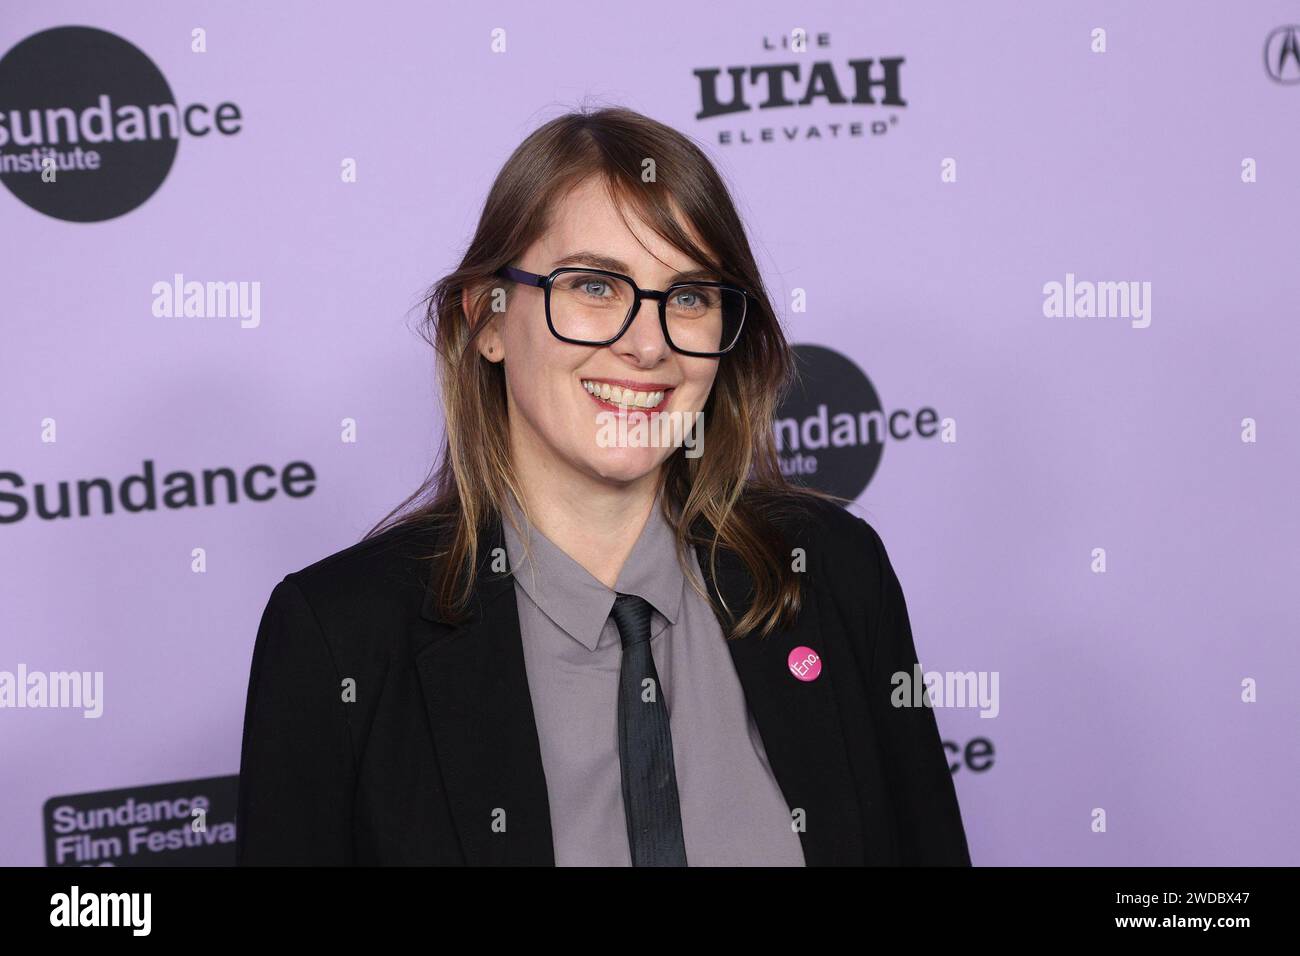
x: 563, y: 649
x: 513, y: 366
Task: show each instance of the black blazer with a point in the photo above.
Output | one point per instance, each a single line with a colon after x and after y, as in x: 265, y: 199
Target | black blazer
x: 440, y: 739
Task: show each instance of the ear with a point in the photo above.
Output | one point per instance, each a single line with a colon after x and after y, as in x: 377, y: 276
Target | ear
x: 490, y: 343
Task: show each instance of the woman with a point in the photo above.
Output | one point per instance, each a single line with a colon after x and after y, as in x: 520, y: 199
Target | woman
x: 607, y: 542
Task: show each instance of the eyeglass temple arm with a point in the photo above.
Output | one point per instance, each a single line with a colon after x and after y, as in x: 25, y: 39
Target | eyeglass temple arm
x: 519, y: 275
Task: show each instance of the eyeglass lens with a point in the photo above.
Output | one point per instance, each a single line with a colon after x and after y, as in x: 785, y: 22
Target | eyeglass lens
x: 591, y: 307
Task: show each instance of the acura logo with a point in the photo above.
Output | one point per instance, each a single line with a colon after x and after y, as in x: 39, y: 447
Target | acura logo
x: 1282, y: 54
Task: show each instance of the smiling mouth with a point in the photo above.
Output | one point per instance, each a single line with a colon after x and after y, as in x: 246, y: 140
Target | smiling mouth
x: 618, y: 398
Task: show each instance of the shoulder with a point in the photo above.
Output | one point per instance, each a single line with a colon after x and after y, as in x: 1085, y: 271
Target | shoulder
x: 373, y: 558
x: 372, y: 582
x: 844, y: 553
x: 811, y: 521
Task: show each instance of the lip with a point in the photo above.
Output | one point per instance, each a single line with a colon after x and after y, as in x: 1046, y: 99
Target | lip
x: 635, y: 386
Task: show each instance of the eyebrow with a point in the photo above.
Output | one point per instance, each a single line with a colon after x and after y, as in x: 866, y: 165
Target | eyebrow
x: 610, y: 264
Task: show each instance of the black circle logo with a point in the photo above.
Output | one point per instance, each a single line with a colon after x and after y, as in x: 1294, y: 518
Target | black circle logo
x: 830, y: 430
x: 88, y: 124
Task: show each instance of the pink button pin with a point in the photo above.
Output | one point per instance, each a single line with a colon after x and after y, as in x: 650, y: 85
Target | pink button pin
x: 804, y: 663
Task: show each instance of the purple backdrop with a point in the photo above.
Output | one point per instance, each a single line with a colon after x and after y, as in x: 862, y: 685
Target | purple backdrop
x: 1168, y: 159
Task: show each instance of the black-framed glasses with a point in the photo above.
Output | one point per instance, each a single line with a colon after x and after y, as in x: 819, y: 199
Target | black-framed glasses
x: 595, y: 307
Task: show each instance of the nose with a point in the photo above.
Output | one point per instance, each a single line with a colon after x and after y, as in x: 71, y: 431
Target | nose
x: 644, y: 341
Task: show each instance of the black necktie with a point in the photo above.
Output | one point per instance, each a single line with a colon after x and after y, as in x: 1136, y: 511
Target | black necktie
x: 645, y: 745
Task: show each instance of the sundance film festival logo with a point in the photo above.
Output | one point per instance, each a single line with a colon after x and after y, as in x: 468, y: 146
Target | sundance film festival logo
x: 805, y: 75
x: 1282, y: 54
x: 89, y: 126
x: 182, y: 823
x: 831, y: 429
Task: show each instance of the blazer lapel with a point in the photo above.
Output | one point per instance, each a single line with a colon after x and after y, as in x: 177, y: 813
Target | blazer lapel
x: 799, y: 721
x: 481, y: 717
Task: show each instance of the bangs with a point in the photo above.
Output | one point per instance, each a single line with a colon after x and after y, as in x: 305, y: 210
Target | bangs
x: 663, y: 212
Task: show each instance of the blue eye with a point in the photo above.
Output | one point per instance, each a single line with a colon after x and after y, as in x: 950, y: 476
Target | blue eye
x: 692, y: 300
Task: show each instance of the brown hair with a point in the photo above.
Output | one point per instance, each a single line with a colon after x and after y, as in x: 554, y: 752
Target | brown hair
x: 729, y: 497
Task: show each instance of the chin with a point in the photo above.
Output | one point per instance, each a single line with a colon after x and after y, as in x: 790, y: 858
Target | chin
x: 624, y: 465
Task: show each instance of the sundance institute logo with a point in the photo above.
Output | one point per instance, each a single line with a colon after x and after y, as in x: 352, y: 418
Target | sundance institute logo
x: 832, y: 428
x: 89, y: 126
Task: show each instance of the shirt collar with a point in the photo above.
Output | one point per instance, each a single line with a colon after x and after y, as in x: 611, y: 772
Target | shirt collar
x: 573, y: 598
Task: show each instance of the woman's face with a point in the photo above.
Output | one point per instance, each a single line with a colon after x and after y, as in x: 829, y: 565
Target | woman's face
x: 555, y: 421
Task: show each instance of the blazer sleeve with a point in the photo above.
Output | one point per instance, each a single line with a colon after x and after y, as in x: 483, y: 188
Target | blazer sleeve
x: 916, y: 771
x: 296, y: 765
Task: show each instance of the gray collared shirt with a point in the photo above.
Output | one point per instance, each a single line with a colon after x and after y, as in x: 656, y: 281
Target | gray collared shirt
x: 733, y: 811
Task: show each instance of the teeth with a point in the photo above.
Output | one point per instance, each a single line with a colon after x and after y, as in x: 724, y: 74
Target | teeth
x: 623, y: 396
